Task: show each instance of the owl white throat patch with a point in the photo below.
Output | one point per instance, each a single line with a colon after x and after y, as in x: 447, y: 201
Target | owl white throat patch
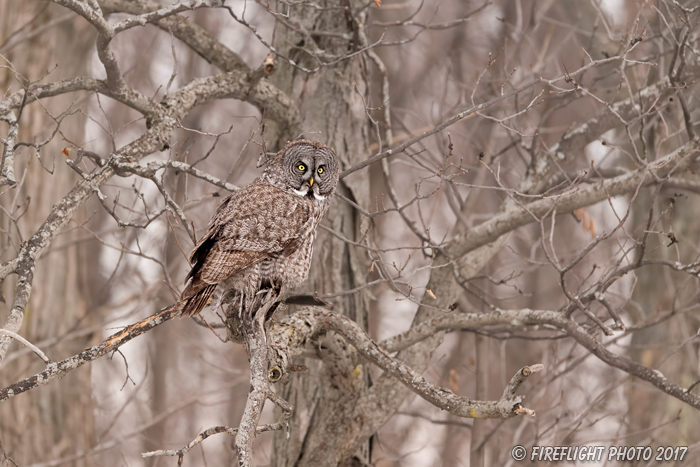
x: 304, y: 194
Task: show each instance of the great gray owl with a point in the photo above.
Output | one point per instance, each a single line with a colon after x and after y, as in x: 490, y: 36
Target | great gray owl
x: 262, y: 235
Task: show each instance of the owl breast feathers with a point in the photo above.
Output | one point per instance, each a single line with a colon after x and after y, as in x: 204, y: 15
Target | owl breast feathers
x: 262, y: 235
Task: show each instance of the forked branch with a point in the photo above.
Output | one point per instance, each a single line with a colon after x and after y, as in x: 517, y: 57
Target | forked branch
x: 301, y: 329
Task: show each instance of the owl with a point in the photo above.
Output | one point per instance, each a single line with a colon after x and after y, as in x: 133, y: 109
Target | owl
x: 262, y: 235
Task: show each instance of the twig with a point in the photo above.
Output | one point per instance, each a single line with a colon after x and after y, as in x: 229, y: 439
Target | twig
x: 26, y: 343
x: 58, y: 369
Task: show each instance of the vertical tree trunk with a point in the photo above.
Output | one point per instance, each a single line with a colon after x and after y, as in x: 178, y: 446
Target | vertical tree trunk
x: 62, y: 291
x: 333, y: 112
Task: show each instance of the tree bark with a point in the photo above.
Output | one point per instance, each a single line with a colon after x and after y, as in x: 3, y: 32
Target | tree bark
x: 64, y: 290
x: 333, y: 112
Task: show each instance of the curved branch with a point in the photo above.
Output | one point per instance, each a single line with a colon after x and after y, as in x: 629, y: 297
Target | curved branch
x: 193, y: 35
x: 105, y: 34
x: 26, y: 343
x: 164, y: 12
x: 270, y: 100
x: 35, y: 92
x: 471, y: 321
x: 293, y: 334
x: 509, y: 405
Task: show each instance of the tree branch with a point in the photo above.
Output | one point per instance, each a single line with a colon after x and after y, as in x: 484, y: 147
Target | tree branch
x: 164, y: 12
x: 176, y: 107
x: 300, y: 330
x: 7, y: 164
x: 256, y: 343
x: 281, y: 424
x: 26, y: 343
x: 105, y: 34
x: 193, y: 35
x: 58, y: 369
x: 38, y: 91
x: 578, y: 197
x: 509, y: 405
x: 528, y: 317
x: 271, y: 101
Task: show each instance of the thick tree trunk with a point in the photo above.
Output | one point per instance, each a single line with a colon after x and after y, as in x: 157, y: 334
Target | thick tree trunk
x: 334, y: 113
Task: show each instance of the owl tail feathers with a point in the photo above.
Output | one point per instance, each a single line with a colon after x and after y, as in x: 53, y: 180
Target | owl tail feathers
x: 194, y: 302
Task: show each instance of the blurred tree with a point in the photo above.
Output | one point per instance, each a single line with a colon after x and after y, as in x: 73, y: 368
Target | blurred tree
x: 60, y: 50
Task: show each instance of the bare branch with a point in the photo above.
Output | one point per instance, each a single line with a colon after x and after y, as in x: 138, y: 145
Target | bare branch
x: 7, y: 169
x: 25, y: 343
x: 180, y: 453
x: 105, y: 34
x: 56, y: 370
x: 164, y: 12
x: 256, y: 343
x: 553, y: 319
x: 585, y: 195
x: 508, y: 406
x: 301, y: 328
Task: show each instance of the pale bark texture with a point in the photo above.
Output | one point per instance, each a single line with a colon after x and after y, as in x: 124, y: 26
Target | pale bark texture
x: 67, y: 298
x: 326, y: 401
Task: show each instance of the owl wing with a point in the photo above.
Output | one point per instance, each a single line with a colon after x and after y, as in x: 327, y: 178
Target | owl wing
x: 252, y: 224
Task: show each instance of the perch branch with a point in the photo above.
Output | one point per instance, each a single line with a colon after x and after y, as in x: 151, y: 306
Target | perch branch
x: 256, y: 344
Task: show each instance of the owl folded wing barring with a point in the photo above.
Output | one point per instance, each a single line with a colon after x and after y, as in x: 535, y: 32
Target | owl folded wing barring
x: 262, y: 235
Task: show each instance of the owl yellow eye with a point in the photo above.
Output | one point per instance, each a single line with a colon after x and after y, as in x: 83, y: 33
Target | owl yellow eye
x: 320, y: 170
x: 301, y: 167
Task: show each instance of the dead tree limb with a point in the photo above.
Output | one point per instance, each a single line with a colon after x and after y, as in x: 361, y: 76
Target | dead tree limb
x: 56, y: 370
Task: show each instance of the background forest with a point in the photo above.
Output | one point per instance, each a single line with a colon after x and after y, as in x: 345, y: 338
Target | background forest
x: 519, y: 187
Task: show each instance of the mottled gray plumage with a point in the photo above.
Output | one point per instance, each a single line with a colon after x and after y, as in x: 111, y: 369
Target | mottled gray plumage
x: 262, y: 235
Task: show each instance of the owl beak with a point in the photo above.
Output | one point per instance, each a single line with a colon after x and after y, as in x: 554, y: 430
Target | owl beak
x: 311, y: 182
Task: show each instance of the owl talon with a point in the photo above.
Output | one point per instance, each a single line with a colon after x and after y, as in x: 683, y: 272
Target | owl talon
x: 307, y: 300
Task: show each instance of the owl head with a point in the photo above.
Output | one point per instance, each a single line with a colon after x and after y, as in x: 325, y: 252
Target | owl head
x: 307, y: 169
